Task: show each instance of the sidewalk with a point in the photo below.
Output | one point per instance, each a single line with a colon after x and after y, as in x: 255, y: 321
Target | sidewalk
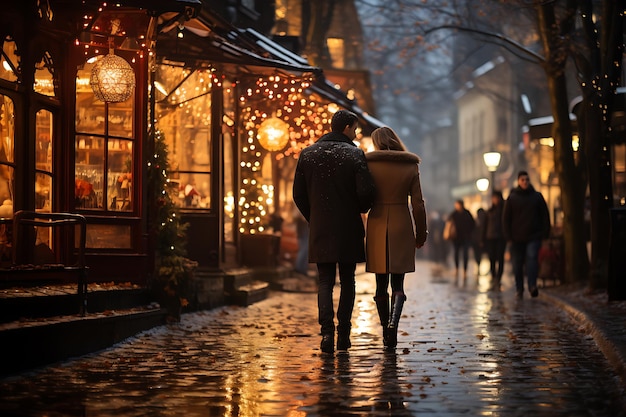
x: 605, y: 321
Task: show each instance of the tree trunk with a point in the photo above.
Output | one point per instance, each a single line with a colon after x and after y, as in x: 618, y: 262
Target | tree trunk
x: 571, y: 178
x: 316, y: 18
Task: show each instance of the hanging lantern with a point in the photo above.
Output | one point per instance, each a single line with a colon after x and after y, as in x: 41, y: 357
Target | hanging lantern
x: 112, y: 79
x: 273, y: 134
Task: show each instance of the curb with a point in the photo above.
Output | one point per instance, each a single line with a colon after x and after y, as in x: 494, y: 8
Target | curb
x: 608, y: 348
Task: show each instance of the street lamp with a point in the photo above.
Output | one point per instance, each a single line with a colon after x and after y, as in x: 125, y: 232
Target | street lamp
x: 482, y: 184
x: 492, y: 160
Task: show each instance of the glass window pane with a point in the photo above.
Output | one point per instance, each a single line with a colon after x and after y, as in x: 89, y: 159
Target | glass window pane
x: 7, y: 143
x: 9, y: 60
x: 90, y: 116
x: 43, y: 135
x: 7, y: 129
x: 120, y: 168
x: 89, y: 184
x: 194, y: 190
x: 43, y: 192
x: 121, y: 118
x: 44, y: 83
x: 7, y: 183
x: 184, y: 118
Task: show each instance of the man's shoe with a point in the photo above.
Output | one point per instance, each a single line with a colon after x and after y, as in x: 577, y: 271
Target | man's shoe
x: 328, y: 343
x: 534, y: 292
x: 343, y: 342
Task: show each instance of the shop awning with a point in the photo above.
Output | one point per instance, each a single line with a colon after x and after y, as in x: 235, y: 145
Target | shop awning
x: 541, y: 127
x: 209, y: 39
x: 320, y: 85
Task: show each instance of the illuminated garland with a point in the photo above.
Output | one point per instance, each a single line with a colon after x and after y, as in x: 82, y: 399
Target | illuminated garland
x: 307, y: 120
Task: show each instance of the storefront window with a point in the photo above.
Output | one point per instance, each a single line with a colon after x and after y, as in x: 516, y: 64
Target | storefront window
x: 104, y: 150
x: 43, y: 160
x: 7, y: 143
x: 184, y: 117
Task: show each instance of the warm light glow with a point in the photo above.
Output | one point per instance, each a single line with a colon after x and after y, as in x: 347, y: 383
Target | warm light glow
x: 492, y: 160
x: 112, y: 79
x: 482, y: 184
x: 273, y: 134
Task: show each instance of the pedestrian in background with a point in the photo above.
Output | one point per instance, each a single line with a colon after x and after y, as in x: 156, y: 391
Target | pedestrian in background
x: 393, y: 229
x: 478, y: 244
x: 526, y: 222
x: 332, y: 187
x: 437, y: 248
x: 493, y: 236
x: 464, y: 225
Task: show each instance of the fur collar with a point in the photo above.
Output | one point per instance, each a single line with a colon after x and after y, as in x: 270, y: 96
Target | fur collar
x: 393, y: 156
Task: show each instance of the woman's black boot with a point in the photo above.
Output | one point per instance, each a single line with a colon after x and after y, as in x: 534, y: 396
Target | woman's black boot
x: 397, y: 302
x: 382, y: 305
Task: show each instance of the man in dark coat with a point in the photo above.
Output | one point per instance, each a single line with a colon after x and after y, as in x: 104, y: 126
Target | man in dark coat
x: 464, y: 225
x: 525, y: 223
x: 332, y: 187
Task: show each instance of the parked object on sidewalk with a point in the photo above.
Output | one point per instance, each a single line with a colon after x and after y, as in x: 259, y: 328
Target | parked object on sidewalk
x: 394, y: 230
x: 550, y: 266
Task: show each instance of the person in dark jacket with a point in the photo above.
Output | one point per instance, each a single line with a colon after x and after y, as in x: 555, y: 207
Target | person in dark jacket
x: 493, y: 237
x: 394, y: 229
x: 332, y: 187
x: 525, y: 223
x: 464, y: 225
x: 478, y: 244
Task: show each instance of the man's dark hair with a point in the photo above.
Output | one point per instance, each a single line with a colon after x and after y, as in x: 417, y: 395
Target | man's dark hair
x: 521, y: 174
x: 342, y: 119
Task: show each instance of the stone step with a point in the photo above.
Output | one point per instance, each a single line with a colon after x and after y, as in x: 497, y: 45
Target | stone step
x: 30, y: 344
x: 235, y: 278
x: 59, y: 300
x: 248, y: 294
x: 208, y: 288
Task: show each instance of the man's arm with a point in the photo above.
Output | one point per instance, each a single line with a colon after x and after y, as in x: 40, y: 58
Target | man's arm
x: 301, y: 194
x: 365, y: 188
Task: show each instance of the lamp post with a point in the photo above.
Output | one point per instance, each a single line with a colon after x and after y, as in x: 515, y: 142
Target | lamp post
x: 492, y: 160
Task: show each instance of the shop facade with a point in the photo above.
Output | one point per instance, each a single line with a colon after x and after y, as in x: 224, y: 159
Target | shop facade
x: 233, y: 107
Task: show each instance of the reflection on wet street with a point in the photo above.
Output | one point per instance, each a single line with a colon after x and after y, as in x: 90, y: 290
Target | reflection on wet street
x: 462, y: 351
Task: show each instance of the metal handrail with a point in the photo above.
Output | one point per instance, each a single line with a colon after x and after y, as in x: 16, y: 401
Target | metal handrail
x: 32, y: 218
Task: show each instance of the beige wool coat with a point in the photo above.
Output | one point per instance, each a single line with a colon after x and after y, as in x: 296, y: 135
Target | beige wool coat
x: 396, y: 224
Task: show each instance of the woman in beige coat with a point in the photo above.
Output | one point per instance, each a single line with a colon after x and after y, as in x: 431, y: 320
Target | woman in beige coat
x: 394, y: 229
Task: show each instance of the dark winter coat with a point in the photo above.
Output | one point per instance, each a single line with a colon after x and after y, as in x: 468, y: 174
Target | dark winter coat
x: 332, y: 186
x: 464, y: 224
x: 391, y: 237
x: 526, y: 216
x: 493, y: 223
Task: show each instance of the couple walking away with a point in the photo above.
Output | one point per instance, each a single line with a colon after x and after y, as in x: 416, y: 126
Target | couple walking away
x: 335, y: 182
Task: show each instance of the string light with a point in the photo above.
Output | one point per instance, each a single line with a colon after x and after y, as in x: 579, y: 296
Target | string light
x: 282, y: 105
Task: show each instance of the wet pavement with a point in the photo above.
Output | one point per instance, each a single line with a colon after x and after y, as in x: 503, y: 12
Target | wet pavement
x: 462, y: 351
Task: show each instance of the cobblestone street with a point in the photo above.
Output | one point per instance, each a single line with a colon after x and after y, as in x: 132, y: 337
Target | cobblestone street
x: 462, y: 351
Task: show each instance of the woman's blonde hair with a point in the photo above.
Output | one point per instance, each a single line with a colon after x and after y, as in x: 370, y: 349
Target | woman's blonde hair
x: 385, y: 138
